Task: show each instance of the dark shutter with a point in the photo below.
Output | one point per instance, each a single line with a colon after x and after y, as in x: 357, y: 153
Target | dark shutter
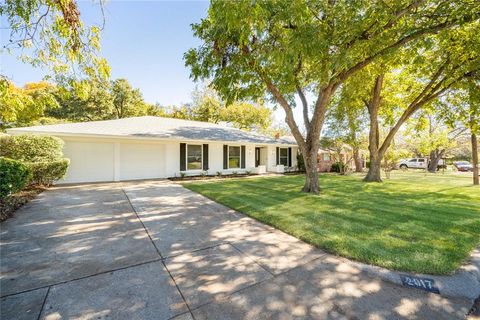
x: 278, y: 156
x: 205, y: 157
x: 225, y: 156
x: 289, y: 157
x: 183, y: 156
x: 242, y: 157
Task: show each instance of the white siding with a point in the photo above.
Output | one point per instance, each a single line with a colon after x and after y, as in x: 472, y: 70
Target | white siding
x: 116, y: 159
x: 172, y: 159
x: 89, y: 161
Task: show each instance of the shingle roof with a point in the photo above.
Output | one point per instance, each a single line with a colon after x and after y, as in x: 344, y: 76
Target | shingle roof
x: 155, y: 127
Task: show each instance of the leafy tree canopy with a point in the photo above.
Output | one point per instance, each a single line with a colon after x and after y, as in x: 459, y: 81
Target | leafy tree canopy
x: 50, y: 33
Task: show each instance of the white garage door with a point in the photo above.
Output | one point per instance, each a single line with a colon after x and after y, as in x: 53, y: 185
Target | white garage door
x: 89, y: 161
x: 141, y: 161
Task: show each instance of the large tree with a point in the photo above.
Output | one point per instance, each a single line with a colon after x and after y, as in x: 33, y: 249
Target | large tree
x: 429, y: 135
x: 348, y: 120
x: 299, y: 48
x: 416, y: 81
x: 462, y: 106
x: 23, y: 105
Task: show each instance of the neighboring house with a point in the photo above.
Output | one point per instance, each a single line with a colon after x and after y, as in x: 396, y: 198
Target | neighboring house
x: 154, y: 147
x: 327, y: 157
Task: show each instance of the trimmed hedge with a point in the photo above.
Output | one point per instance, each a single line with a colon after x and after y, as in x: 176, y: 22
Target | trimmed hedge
x: 14, y: 176
x: 30, y: 148
x: 47, y: 172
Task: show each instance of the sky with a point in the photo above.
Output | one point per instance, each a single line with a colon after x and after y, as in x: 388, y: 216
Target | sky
x: 143, y: 41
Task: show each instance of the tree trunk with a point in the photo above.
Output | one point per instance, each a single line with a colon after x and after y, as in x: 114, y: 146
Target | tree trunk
x: 373, y: 174
x: 358, y: 160
x: 374, y: 171
x: 435, y: 156
x: 475, y: 158
x: 311, y: 171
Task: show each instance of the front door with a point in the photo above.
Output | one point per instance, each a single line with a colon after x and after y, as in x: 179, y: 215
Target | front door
x: 257, y: 157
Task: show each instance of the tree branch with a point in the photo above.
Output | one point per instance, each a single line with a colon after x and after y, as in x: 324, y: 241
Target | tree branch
x: 365, y: 35
x: 413, y: 36
x: 304, y: 105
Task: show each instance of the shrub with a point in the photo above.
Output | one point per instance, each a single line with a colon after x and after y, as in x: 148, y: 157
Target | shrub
x: 337, y: 167
x: 47, y: 172
x: 14, y: 176
x: 183, y: 174
x: 219, y: 173
x: 300, y: 163
x: 30, y: 148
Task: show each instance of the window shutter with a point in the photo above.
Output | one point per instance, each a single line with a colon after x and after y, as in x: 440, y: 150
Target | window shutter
x: 289, y: 157
x: 205, y: 157
x: 183, y: 156
x: 225, y: 156
x: 278, y: 156
x: 242, y: 157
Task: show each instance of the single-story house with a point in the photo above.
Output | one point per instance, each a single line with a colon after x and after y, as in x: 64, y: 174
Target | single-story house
x: 154, y: 147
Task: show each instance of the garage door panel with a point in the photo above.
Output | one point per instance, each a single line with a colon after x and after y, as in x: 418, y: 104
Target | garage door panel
x: 141, y: 161
x: 89, y: 161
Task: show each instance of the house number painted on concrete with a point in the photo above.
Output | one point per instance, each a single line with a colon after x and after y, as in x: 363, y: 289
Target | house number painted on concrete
x: 419, y: 283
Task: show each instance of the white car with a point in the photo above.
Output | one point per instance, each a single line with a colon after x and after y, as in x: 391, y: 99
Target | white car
x: 418, y: 163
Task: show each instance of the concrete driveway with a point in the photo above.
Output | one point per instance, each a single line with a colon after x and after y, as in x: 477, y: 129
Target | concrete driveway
x: 155, y: 250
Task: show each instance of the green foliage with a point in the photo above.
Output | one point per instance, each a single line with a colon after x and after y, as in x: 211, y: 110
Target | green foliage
x: 31, y: 148
x: 209, y: 107
x: 47, y: 172
x: 427, y: 133
x: 246, y: 43
x: 127, y: 102
x: 300, y: 162
x: 14, y: 176
x: 50, y: 34
x: 22, y: 106
x: 337, y: 167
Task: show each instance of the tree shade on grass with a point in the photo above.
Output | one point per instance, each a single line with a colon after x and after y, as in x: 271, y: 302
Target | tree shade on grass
x: 412, y: 222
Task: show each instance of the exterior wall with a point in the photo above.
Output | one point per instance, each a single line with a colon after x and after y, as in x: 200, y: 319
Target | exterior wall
x: 172, y: 159
x: 116, y: 159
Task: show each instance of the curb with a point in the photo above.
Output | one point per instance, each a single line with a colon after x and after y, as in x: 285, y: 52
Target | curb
x: 464, y: 283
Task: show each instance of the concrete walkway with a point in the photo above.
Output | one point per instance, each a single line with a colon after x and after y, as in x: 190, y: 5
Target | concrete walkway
x: 154, y: 250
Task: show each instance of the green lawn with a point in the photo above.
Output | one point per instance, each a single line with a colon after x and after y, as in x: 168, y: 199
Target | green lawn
x: 412, y: 222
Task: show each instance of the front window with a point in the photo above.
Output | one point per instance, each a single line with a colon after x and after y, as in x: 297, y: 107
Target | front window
x: 284, y: 156
x: 233, y: 157
x: 194, y: 157
x: 326, y: 157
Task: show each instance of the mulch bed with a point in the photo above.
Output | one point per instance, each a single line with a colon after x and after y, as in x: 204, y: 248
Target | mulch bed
x: 11, y: 203
x: 217, y: 177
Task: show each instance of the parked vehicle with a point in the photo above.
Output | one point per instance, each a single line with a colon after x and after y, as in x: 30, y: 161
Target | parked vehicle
x: 419, y: 163
x: 463, y: 166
